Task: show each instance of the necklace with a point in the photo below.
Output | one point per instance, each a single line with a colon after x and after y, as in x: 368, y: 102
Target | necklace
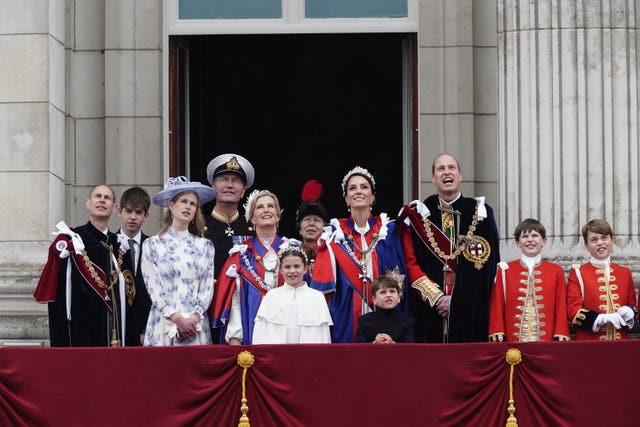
x: 219, y: 216
x: 460, y: 247
x: 364, y: 252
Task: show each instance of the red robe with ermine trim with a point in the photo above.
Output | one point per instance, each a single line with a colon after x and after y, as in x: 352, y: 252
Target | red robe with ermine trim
x: 91, y: 309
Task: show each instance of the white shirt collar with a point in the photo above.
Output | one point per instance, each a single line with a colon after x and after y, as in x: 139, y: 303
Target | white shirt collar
x: 290, y: 288
x: 362, y: 230
x: 531, y: 261
x: 137, y: 237
x: 450, y: 202
x: 601, y: 262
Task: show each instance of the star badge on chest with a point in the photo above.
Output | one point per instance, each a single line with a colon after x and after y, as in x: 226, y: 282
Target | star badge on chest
x: 229, y: 231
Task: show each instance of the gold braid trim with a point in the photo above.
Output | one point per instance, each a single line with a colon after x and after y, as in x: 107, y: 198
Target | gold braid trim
x: 460, y: 245
x: 579, y: 317
x: 429, y: 291
x: 513, y: 357
x: 245, y: 361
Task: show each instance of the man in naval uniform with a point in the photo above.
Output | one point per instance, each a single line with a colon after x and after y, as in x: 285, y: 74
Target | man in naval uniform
x: 452, y: 250
x: 81, y: 281
x: 230, y: 175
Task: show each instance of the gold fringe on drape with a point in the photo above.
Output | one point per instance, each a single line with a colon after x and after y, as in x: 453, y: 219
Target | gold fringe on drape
x: 245, y: 361
x: 513, y: 357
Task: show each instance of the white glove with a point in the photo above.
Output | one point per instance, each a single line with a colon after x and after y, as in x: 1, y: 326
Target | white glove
x: 627, y: 315
x: 616, y: 320
x: 613, y: 318
x: 600, y: 321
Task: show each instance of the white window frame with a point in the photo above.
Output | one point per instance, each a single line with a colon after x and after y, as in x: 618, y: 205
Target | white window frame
x: 292, y: 22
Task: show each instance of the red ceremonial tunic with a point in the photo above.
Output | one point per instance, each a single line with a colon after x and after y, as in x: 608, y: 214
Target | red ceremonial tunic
x: 600, y: 297
x: 521, y: 311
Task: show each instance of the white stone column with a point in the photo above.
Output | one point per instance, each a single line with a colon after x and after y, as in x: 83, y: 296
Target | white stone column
x: 568, y: 119
x: 32, y: 156
x: 133, y: 98
x: 32, y: 105
x: 458, y: 108
x: 85, y: 94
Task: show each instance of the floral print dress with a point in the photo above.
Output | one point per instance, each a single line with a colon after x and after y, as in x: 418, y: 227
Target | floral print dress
x: 178, y: 273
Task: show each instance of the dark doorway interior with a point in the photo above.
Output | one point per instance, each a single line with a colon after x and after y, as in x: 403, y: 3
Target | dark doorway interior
x: 300, y: 107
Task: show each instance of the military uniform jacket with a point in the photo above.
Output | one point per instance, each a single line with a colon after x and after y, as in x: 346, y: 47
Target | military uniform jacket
x: 224, y: 235
x: 590, y: 292
x: 528, y: 310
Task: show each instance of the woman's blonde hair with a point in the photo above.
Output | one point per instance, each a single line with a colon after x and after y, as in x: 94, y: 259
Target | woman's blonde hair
x: 196, y: 225
x: 250, y: 206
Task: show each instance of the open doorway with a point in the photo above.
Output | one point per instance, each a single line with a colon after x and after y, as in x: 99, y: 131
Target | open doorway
x: 300, y: 107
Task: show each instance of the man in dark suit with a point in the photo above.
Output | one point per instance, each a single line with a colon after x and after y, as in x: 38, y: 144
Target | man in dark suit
x: 133, y: 212
x: 81, y: 281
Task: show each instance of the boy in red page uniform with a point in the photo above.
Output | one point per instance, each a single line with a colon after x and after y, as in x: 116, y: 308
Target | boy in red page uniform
x: 600, y: 296
x: 528, y: 301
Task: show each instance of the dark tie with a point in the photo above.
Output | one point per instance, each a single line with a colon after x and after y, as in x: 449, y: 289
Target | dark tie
x: 132, y: 246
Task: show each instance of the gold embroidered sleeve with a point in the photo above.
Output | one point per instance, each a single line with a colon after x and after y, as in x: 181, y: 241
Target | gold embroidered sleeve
x: 429, y: 291
x: 579, y: 317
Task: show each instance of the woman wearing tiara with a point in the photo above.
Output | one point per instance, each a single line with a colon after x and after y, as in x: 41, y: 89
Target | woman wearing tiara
x: 250, y: 271
x: 358, y: 249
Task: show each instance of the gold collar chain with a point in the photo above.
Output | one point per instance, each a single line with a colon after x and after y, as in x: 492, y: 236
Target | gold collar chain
x: 363, y: 262
x: 364, y: 252
x: 459, y: 247
x: 94, y: 273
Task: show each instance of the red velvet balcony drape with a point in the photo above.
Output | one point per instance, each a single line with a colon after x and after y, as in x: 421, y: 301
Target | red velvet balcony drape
x: 556, y: 384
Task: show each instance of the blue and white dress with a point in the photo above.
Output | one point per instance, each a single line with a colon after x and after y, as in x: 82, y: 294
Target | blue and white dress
x: 178, y: 273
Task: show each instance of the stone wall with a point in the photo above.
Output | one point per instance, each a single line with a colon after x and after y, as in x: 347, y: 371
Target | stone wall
x: 81, y: 103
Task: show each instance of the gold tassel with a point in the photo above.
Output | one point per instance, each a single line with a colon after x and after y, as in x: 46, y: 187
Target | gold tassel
x: 513, y: 357
x: 245, y: 360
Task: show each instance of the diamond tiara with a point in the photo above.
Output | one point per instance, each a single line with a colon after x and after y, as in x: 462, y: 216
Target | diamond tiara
x: 358, y: 170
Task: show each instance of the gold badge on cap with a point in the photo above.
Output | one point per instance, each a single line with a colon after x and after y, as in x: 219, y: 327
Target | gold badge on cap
x: 233, y: 164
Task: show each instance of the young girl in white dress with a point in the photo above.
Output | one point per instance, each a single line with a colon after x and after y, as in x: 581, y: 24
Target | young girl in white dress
x: 293, y: 313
